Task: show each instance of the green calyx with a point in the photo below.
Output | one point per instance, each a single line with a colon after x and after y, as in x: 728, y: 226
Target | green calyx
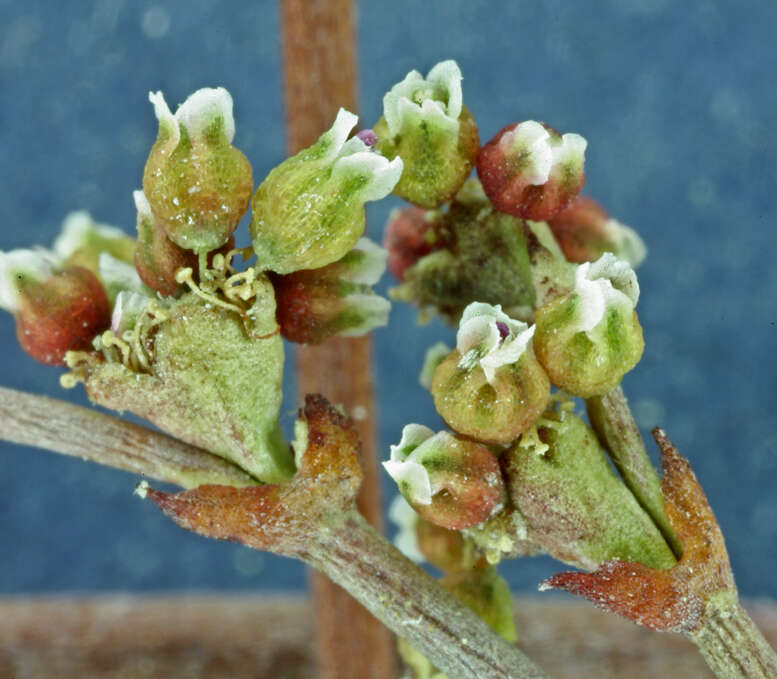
x: 573, y: 504
x: 309, y: 211
x: 584, y: 363
x: 204, y: 372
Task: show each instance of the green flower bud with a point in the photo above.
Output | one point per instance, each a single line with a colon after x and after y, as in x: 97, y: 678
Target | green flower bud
x: 197, y: 184
x: 200, y: 368
x: 309, y: 211
x: 483, y: 257
x: 491, y: 387
x: 82, y: 241
x: 425, y: 123
x: 588, y: 339
x: 448, y: 480
x: 571, y: 501
x: 316, y: 304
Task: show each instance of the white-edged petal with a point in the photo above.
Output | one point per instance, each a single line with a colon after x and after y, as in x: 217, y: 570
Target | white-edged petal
x: 434, y: 356
x: 367, y: 263
x: 629, y: 246
x: 412, y: 479
x: 167, y: 120
x: 607, y: 282
x: 126, y: 311
x: 337, y: 135
x: 373, y: 309
x: 32, y: 264
x: 142, y: 205
x: 413, y: 435
x: 447, y: 76
x: 115, y: 273
x: 77, y: 228
x: 203, y: 107
x: 382, y: 174
x: 570, y: 152
x: 532, y: 141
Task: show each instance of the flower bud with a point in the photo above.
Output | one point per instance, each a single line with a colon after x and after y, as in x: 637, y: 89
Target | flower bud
x: 55, y: 311
x: 410, y: 234
x: 531, y: 171
x: 157, y: 258
x: 448, y: 480
x: 82, y: 241
x: 198, y: 185
x: 425, y: 123
x: 201, y: 368
x: 491, y: 387
x: 314, y: 305
x: 483, y: 257
x: 590, y: 338
x: 309, y: 211
x: 585, y: 232
x: 571, y: 501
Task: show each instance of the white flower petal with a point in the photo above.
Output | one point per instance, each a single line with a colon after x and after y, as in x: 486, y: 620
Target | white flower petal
x: 33, y: 264
x: 382, y: 174
x: 115, y: 273
x: 368, y: 263
x: 413, y: 435
x: 604, y: 283
x: 532, y: 141
x: 412, y: 479
x: 203, y: 107
x: 402, y: 515
x: 167, y: 120
x: 128, y: 307
x: 77, y: 229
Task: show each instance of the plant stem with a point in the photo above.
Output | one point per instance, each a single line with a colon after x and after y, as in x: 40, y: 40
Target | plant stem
x: 613, y: 422
x: 732, y: 645
x: 68, y: 429
x: 320, y: 75
x: 415, y: 606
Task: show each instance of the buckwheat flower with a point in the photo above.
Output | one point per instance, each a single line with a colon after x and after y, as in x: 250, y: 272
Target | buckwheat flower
x: 426, y: 124
x: 588, y: 339
x: 82, y: 240
x: 448, y: 480
x: 531, y: 171
x: 197, y: 183
x: 309, y: 211
x: 491, y: 387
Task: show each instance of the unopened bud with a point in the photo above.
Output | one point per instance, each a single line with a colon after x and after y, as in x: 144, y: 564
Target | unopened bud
x: 531, y: 171
x: 571, y: 501
x: 410, y: 234
x: 425, y: 123
x: 483, y: 257
x: 56, y: 311
x: 82, y: 241
x: 309, y: 211
x: 585, y: 232
x: 197, y: 184
x: 450, y: 481
x: 491, y: 387
x: 314, y: 305
x: 588, y: 339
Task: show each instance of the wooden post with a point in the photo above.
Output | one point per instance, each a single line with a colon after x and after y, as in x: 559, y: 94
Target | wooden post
x: 319, y: 53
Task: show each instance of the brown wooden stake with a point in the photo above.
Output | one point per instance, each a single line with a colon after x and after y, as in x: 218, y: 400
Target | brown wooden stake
x: 319, y: 53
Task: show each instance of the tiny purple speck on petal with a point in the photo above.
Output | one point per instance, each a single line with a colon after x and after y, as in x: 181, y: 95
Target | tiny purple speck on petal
x: 504, y: 331
x: 368, y: 137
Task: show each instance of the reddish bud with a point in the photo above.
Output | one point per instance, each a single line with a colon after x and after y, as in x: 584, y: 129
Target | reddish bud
x: 410, y: 234
x: 60, y: 314
x: 585, y: 231
x: 531, y: 171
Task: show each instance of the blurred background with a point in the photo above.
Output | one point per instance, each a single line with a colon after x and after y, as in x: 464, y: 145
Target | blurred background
x: 679, y: 106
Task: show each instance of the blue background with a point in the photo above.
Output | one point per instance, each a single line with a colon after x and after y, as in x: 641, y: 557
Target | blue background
x: 679, y: 106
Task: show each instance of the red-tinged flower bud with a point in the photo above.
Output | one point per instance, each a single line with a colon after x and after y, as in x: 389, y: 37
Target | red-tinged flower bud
x: 531, y: 171
x: 197, y: 183
x: 337, y: 299
x: 449, y: 480
x: 59, y: 313
x: 410, y: 234
x: 491, y: 387
x: 585, y: 232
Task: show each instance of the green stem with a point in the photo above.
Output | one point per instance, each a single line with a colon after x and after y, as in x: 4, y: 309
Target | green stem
x: 613, y: 422
x: 732, y: 645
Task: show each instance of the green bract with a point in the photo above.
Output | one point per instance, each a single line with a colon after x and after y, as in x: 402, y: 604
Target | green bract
x: 588, y: 339
x: 572, y: 502
x: 309, y: 211
x: 425, y: 123
x: 197, y: 184
x: 198, y: 372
